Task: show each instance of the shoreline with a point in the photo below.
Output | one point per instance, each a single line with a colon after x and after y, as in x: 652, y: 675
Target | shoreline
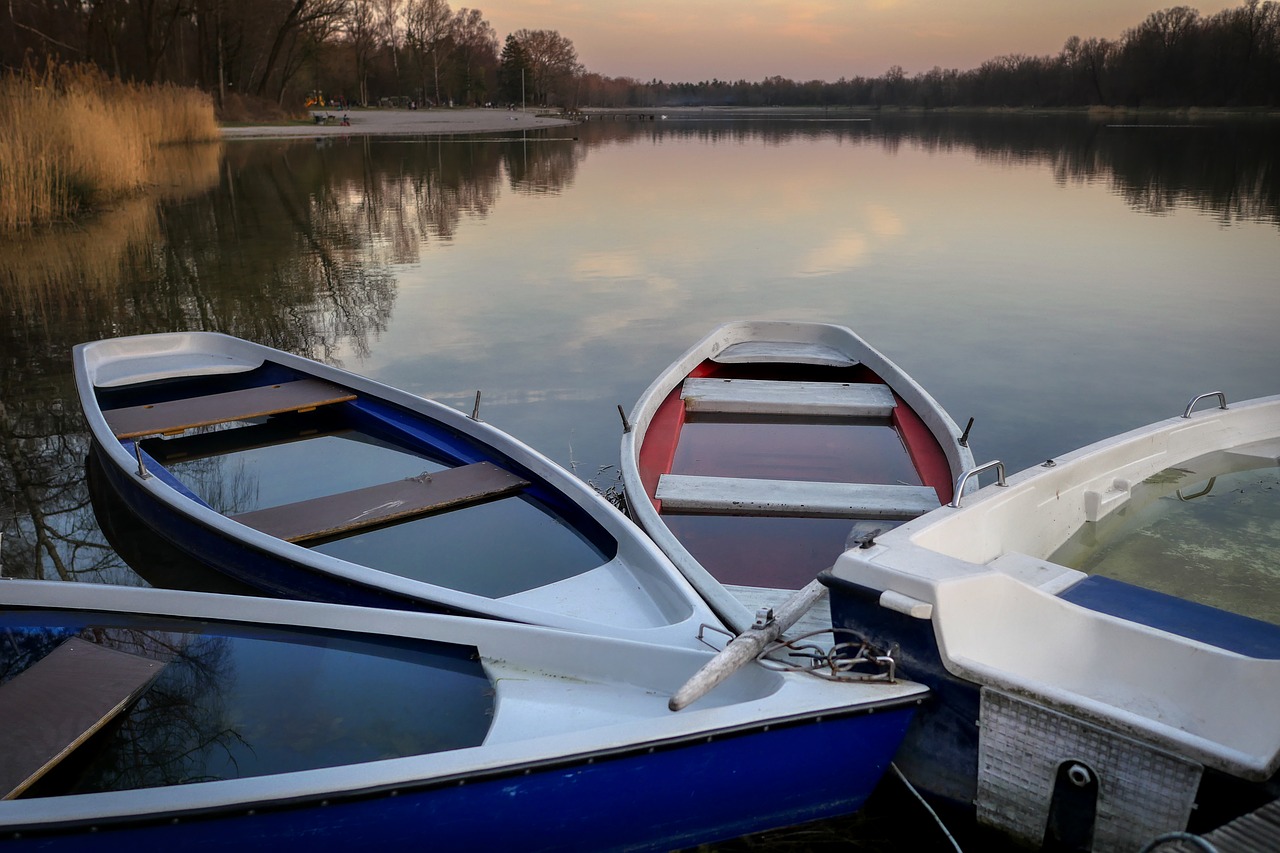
x: 400, y: 122
x: 470, y: 120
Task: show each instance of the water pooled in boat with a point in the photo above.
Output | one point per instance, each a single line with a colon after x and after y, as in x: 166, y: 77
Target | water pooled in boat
x: 1210, y: 539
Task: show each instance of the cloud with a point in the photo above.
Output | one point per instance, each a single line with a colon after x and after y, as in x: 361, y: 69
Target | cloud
x: 884, y: 222
x: 595, y: 265
x: 838, y: 254
x: 849, y: 249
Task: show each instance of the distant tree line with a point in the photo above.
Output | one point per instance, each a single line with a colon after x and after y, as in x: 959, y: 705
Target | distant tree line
x: 398, y: 51
x: 1175, y: 58
x: 293, y: 51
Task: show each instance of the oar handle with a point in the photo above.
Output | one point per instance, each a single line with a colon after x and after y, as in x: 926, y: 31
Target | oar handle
x: 746, y: 647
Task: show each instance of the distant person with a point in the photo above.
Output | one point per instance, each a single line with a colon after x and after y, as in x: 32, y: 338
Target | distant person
x: 346, y: 121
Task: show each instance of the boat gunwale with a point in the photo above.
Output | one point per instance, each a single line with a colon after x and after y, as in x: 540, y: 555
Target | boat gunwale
x: 935, y: 419
x: 634, y: 552
x: 909, y: 563
x: 1063, y: 473
x: 792, y: 700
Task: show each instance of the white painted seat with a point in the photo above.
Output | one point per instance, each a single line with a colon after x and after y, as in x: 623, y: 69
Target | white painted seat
x: 742, y: 496
x: 784, y: 352
x: 767, y: 397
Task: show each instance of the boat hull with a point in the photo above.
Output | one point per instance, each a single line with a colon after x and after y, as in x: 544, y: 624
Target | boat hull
x: 760, y: 453
x: 1014, y: 643
x: 564, y: 741
x: 680, y: 795
x: 520, y: 539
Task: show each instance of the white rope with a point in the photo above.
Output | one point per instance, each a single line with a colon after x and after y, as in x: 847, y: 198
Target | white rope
x: 942, y: 826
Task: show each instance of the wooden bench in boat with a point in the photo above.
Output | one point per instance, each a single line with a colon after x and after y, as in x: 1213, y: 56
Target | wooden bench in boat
x: 816, y: 618
x: 177, y: 416
x: 201, y: 445
x: 783, y: 352
x: 742, y: 496
x: 360, y: 509
x: 767, y: 397
x: 59, y: 702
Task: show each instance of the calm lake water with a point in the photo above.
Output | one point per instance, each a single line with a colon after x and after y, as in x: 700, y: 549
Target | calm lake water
x: 1059, y: 279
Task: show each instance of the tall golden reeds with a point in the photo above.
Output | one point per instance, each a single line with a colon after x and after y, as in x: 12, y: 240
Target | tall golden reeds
x: 72, y: 138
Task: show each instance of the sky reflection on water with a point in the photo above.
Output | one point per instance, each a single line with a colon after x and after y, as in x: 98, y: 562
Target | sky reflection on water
x: 1054, y: 278
x: 1057, y: 280
x: 1050, y: 310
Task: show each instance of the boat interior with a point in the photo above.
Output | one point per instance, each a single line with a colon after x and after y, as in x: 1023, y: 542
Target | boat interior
x: 1167, y: 669
x: 258, y: 445
x: 765, y: 470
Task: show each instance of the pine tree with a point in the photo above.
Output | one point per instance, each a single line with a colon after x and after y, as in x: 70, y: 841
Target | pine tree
x: 511, y: 71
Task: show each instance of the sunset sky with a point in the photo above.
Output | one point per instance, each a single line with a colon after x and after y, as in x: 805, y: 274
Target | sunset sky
x: 693, y: 40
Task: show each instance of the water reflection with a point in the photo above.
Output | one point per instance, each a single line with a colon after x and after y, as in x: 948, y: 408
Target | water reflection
x: 232, y: 702
x: 488, y: 259
x: 1218, y: 165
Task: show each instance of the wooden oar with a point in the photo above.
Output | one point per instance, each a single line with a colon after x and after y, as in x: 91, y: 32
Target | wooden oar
x: 746, y: 647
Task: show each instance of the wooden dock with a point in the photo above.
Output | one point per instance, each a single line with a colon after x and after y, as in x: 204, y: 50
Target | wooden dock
x: 635, y: 115
x: 1256, y: 832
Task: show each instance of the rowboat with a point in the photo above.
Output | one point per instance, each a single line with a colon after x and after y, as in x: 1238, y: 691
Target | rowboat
x: 1138, y: 695
x: 303, y: 480
x: 768, y: 447
x: 145, y: 719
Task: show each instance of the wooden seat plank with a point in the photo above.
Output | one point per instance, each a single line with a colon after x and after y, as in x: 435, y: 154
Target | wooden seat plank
x: 177, y: 416
x: 767, y: 397
x: 202, y: 445
x: 743, y: 496
x: 783, y: 352
x: 373, y: 506
x: 58, y: 702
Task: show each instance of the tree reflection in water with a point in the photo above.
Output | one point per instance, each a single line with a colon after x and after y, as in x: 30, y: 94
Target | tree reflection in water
x: 294, y: 245
x: 171, y: 735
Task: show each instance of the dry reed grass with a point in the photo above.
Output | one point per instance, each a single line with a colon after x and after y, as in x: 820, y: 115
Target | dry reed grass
x: 64, y: 273
x: 73, y: 138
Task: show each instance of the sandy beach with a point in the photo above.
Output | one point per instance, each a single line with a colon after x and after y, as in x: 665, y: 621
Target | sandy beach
x: 393, y: 122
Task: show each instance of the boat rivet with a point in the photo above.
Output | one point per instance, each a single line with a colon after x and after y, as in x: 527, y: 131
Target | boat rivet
x: 1079, y: 775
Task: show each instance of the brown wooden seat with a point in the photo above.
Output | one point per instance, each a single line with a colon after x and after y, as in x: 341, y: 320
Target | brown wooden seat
x: 59, y: 702
x: 349, y: 512
x: 176, y: 416
x: 272, y: 433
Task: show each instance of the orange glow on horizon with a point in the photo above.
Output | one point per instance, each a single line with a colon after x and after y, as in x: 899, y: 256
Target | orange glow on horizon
x: 682, y: 41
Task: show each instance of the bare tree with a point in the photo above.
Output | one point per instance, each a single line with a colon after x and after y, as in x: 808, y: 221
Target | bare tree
x: 428, y: 34
x: 550, y: 58
x: 389, y: 30
x: 301, y: 15
x: 477, y: 47
x: 361, y: 23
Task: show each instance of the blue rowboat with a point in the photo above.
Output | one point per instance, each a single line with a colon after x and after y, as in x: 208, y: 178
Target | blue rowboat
x: 144, y: 719
x: 306, y: 481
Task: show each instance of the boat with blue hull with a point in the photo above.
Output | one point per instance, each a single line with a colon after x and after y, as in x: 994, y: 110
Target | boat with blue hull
x: 160, y: 719
x: 303, y: 480
x: 1104, y: 668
